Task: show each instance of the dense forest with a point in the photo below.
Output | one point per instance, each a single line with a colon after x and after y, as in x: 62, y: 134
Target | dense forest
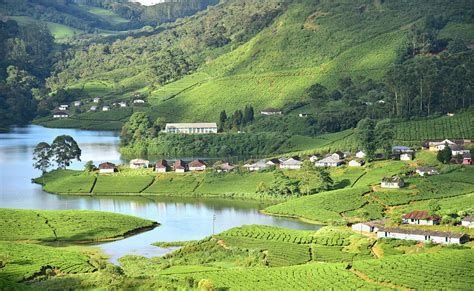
x: 26, y: 60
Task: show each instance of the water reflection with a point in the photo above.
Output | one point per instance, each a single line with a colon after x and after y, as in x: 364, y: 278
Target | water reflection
x: 181, y: 219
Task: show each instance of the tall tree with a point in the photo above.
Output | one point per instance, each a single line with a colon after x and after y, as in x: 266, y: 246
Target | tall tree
x: 445, y: 155
x: 65, y: 149
x: 384, y: 136
x: 366, y: 136
x: 222, y: 121
x: 42, y: 157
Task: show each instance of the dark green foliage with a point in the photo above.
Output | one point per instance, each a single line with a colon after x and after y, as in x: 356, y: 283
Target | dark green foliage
x: 137, y: 128
x: 367, y: 137
x: 42, y: 156
x: 445, y: 155
x: 64, y: 149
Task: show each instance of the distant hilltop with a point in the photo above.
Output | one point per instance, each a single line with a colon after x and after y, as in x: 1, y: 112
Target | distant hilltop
x: 149, y: 2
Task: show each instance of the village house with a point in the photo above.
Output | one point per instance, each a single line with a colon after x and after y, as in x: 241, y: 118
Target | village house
x: 421, y: 217
x: 356, y: 163
x: 457, y: 150
x: 105, y: 108
x: 139, y: 164
x: 197, y: 165
x: 314, y: 158
x: 403, y: 153
x: 329, y: 161
x: 122, y: 104
x: 466, y: 159
x: 106, y: 168
x: 304, y: 114
x: 96, y: 100
x: 138, y: 101
x: 179, y: 166
x: 370, y: 226
x: 422, y: 171
x: 436, y: 146
x: 406, y: 156
x: 224, y: 167
x: 274, y: 162
x: 468, y: 221
x: 63, y: 107
x: 360, y: 155
x: 291, y: 164
x: 191, y: 128
x: 439, y: 237
x: 93, y: 108
x: 392, y: 182
x: 77, y: 103
x: 271, y: 111
x: 260, y: 165
x: 161, y: 166
x: 339, y: 155
x: 60, y: 114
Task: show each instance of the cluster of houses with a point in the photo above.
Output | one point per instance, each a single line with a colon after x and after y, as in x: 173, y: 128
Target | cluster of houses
x: 62, y: 111
x: 162, y: 166
x: 459, y: 152
x: 417, y: 218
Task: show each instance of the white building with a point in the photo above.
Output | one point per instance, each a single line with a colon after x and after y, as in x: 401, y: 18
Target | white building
x: 392, y: 182
x: 122, y: 104
x: 330, y: 161
x: 406, y: 156
x: 105, y: 108
x: 468, y: 221
x: 370, y: 226
x: 179, y: 166
x: 422, y: 235
x: 138, y: 101
x: 197, y: 166
x: 291, y: 164
x: 106, y: 168
x: 161, y: 166
x: 93, y: 108
x: 420, y: 217
x: 360, y: 155
x: 314, y: 158
x: 422, y: 171
x: 60, y: 114
x: 191, y: 128
x: 356, y: 163
x: 96, y: 100
x: 63, y: 107
x: 260, y: 165
x: 271, y: 111
x: 77, y: 103
x: 139, y: 163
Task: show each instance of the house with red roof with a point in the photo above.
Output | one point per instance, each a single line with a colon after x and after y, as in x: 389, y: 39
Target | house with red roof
x: 421, y: 217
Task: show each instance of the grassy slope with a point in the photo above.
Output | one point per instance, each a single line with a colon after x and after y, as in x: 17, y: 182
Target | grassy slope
x: 66, y: 225
x: 59, y: 31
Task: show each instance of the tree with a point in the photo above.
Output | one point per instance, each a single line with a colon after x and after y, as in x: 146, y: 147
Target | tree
x: 366, y: 136
x: 248, y: 114
x: 222, y: 121
x: 283, y: 185
x: 384, y: 136
x: 445, y: 155
x: 138, y: 127
x: 326, y: 181
x: 64, y: 149
x: 89, y: 166
x: 237, y: 119
x: 42, y: 156
x: 434, y: 206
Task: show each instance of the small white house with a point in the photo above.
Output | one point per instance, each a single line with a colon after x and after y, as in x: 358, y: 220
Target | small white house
x: 77, y: 103
x: 457, y: 150
x: 122, y: 104
x: 428, y: 171
x: 304, y: 114
x: 260, y: 165
x: 179, y: 166
x: 161, y: 166
x: 392, y: 182
x: 105, y: 108
x: 93, y: 108
x: 291, y: 164
x: 63, y: 107
x: 468, y: 221
x: 60, y: 114
x: 139, y: 164
x: 96, y: 100
x: 370, y: 226
x: 138, y: 101
x: 314, y: 158
x: 436, y: 146
x: 196, y: 166
x: 224, y: 167
x: 360, y: 155
x: 406, y: 156
x: 106, y: 168
x: 420, y: 217
x: 271, y: 111
x: 422, y: 235
x: 330, y: 161
x: 356, y: 163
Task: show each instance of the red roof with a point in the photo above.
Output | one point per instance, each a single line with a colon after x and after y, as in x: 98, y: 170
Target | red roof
x: 196, y: 163
x: 161, y: 164
x: 179, y: 164
x: 420, y: 214
x: 107, y: 165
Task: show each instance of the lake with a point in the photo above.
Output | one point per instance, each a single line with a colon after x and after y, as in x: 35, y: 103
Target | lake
x: 180, y: 219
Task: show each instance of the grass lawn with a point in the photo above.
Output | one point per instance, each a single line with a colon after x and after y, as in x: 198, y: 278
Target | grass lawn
x: 121, y: 184
x: 66, y: 225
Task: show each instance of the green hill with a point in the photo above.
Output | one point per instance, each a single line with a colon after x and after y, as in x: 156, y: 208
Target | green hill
x: 215, y: 60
